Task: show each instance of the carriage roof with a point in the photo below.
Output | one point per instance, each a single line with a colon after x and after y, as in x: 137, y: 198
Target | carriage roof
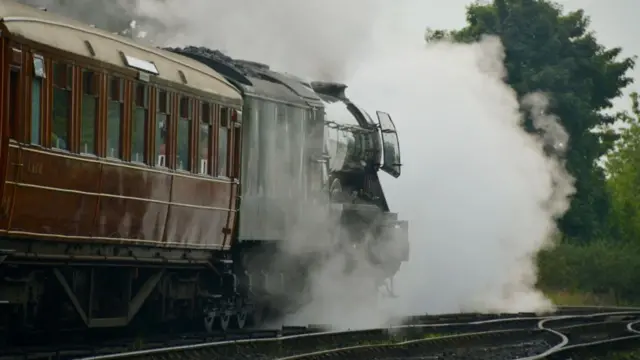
x: 255, y: 78
x: 72, y: 36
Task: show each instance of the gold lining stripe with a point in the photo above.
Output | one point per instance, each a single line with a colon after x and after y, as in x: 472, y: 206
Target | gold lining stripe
x: 112, y: 239
x: 118, y: 196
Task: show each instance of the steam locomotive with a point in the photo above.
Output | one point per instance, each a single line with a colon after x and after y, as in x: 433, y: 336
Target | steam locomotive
x: 145, y: 184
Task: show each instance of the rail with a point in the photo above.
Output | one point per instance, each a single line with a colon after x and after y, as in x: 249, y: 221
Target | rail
x: 546, y: 342
x: 127, y: 344
x: 630, y: 340
x: 439, y: 330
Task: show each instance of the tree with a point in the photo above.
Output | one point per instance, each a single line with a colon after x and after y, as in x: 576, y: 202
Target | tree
x: 557, y: 54
x: 622, y: 166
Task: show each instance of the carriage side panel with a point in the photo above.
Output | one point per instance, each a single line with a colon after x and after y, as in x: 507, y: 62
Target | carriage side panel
x: 99, y: 155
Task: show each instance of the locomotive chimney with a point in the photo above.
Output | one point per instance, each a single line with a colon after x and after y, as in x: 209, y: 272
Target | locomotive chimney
x: 336, y: 90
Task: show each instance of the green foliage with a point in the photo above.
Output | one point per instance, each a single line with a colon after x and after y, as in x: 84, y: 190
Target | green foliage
x: 608, y: 267
x: 622, y: 166
x: 595, y: 268
x: 555, y: 53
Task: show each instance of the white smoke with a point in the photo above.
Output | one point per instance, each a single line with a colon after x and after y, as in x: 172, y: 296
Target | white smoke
x: 109, y: 15
x: 480, y: 193
x: 272, y: 31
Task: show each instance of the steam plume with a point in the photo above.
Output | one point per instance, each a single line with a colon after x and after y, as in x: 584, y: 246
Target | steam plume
x: 481, y: 195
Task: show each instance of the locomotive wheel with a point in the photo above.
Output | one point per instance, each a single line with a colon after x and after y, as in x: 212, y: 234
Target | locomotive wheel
x: 215, y: 322
x: 223, y: 321
x: 209, y: 322
x: 240, y: 320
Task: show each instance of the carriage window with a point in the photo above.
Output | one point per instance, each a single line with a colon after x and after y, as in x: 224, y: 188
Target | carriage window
x: 36, y: 91
x: 115, y: 112
x: 62, y: 85
x: 223, y: 138
x: 183, y: 136
x: 162, y: 126
x: 205, y: 139
x: 14, y: 101
x: 139, y: 119
x: 237, y: 143
x: 36, y: 98
x: 90, y: 83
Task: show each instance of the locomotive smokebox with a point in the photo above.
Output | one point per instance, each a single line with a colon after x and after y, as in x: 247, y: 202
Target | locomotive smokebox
x: 336, y: 90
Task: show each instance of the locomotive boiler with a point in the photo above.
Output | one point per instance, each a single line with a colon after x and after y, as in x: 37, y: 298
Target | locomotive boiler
x: 175, y: 184
x: 356, y: 147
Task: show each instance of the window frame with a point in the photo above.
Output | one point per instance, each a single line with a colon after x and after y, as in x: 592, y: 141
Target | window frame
x: 97, y: 133
x: 236, y: 145
x: 108, y: 99
x: 209, y: 118
x: 224, y: 123
x: 35, y: 74
x: 68, y: 86
x: 146, y: 105
x: 17, y: 64
x: 185, y: 115
x: 168, y: 111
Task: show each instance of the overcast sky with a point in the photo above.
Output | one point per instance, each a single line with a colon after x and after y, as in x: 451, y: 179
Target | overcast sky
x: 615, y: 22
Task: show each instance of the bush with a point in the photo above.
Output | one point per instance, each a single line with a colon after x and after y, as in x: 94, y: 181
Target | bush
x: 598, y: 268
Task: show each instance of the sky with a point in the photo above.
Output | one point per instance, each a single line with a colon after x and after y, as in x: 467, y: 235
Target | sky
x: 613, y: 21
x: 616, y: 24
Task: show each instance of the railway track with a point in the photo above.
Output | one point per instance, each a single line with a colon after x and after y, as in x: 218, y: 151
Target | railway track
x: 455, y: 336
x: 81, y: 349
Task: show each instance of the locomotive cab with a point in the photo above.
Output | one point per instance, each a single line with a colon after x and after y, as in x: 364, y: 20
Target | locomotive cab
x: 391, y: 163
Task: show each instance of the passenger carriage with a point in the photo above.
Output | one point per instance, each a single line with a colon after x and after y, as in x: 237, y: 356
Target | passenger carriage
x: 118, y: 159
x: 121, y: 192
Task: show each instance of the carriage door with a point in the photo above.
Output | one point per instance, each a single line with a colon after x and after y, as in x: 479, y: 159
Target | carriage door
x: 11, y: 114
x: 390, y: 145
x: 14, y: 84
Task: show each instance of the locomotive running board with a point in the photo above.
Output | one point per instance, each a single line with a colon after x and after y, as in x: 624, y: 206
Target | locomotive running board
x: 364, y: 211
x: 4, y: 253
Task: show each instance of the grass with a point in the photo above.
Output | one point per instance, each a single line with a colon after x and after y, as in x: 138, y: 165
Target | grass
x: 576, y: 298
